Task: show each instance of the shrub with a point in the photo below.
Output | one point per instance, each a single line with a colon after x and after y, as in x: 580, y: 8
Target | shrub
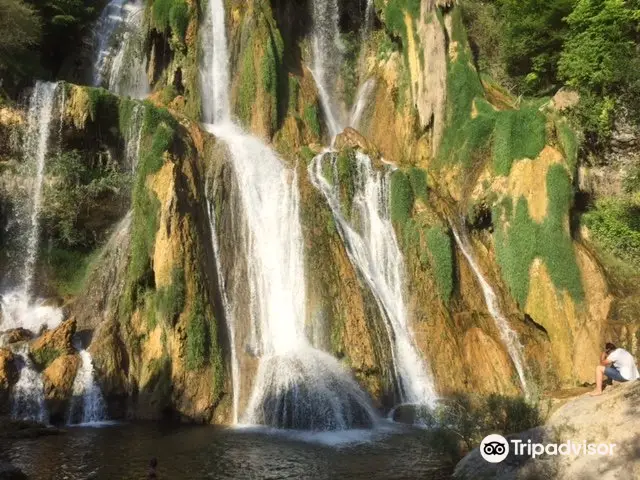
x: 441, y: 255
x: 179, y: 18
x: 401, y: 199
x: 614, y: 224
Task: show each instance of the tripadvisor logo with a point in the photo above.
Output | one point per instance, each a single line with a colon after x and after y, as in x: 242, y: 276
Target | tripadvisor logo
x: 495, y: 448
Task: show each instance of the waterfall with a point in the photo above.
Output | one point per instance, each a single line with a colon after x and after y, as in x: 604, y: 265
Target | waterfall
x: 228, y: 311
x: 373, y: 249
x: 119, y: 63
x: 27, y: 402
x: 18, y: 308
x: 327, y: 59
x: 507, y: 334
x: 214, y: 74
x: 297, y: 386
x: 362, y: 99
x: 87, y: 403
x: 133, y: 137
x: 37, y: 138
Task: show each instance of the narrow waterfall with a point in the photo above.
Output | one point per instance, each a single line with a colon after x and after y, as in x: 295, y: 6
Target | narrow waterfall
x: 327, y: 60
x: 507, y: 334
x: 373, y: 249
x: 18, y: 307
x: 297, y: 386
x: 87, y: 403
x: 27, y: 401
x: 119, y: 63
x: 362, y: 99
x: 133, y: 137
x: 228, y: 310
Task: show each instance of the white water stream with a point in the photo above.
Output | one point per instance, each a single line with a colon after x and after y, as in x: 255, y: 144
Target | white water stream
x: 27, y: 397
x: 373, y: 249
x: 507, y: 334
x: 87, y: 405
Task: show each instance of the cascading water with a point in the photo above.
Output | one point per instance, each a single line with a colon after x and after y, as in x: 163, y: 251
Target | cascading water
x: 133, y: 137
x: 507, y: 334
x: 120, y: 61
x: 27, y: 401
x: 297, y: 385
x: 372, y: 247
x: 362, y: 99
x: 18, y: 309
x: 327, y: 60
x: 87, y: 404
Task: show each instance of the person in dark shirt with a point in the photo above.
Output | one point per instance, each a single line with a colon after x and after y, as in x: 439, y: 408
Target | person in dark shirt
x: 153, y: 464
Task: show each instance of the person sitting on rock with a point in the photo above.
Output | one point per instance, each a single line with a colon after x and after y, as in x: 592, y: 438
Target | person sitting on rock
x: 617, y: 364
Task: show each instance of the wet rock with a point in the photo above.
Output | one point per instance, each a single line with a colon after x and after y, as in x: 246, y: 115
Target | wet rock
x: 53, y: 344
x: 16, y: 335
x: 351, y: 138
x: 8, y: 377
x: 58, y: 385
x: 11, y: 472
x: 16, y: 429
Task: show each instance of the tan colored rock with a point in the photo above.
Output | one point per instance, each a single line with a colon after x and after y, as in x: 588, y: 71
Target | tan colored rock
x: 8, y: 377
x: 351, y: 138
x: 53, y: 343
x: 57, y: 380
x: 163, y: 185
x: 565, y: 98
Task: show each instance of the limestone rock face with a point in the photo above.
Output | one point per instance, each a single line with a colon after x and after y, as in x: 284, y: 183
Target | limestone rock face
x: 579, y: 420
x: 8, y: 377
x: 58, y: 379
x: 53, y: 343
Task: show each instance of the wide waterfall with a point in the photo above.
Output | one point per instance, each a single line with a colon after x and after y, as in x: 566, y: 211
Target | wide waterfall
x: 27, y: 402
x: 297, y: 385
x: 120, y: 63
x: 327, y: 60
x: 18, y: 307
x: 507, y: 334
x: 372, y: 247
x: 87, y: 404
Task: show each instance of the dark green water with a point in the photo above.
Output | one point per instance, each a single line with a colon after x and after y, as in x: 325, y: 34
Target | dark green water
x: 123, y: 452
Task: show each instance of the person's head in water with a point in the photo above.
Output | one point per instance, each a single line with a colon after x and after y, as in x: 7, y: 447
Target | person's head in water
x: 609, y: 347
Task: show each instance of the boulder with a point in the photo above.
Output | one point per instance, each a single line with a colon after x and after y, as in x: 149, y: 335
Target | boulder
x: 565, y: 98
x: 53, y: 344
x: 11, y: 472
x: 351, y: 138
x: 8, y: 377
x: 16, y: 335
x: 58, y: 380
x: 608, y: 419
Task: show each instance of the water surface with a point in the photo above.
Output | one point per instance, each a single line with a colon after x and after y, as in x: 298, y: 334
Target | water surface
x: 194, y: 452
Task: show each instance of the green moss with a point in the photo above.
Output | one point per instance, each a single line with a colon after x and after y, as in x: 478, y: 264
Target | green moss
x: 523, y: 240
x: 346, y: 173
x: 69, y: 269
x: 293, y: 91
x: 270, y: 71
x: 150, y: 312
x: 248, y: 86
x: 197, y: 337
x: 167, y: 94
x: 441, y: 255
x: 44, y: 356
x: 102, y: 103
x: 418, y: 179
x: 179, y: 18
x: 568, y: 142
x: 402, y: 198
x: 518, y: 134
x: 170, y: 299
x: 312, y: 119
